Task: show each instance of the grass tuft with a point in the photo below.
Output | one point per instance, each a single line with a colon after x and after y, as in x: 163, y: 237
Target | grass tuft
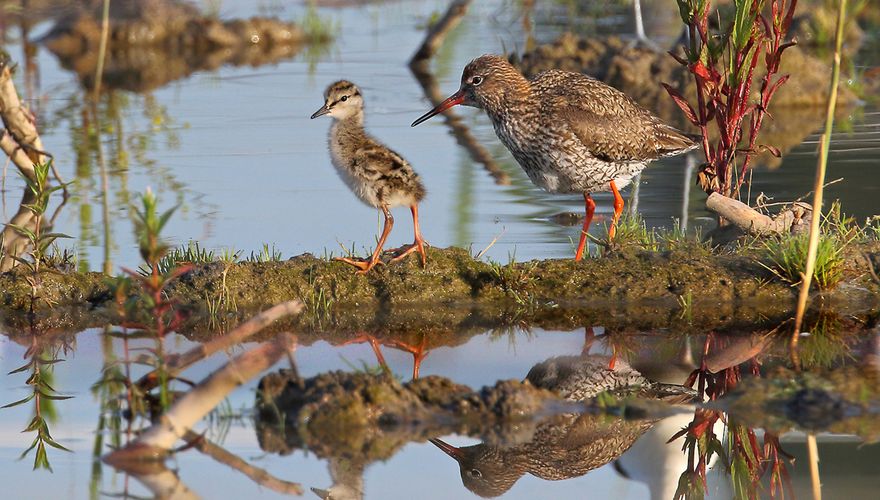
x: 786, y: 257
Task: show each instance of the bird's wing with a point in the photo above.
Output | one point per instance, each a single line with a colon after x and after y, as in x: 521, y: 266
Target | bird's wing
x: 375, y: 160
x: 611, y: 125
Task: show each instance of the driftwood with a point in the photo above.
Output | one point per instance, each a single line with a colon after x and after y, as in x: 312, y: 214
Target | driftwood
x: 165, y: 483
x: 21, y: 143
x: 157, y: 441
x: 20, y: 140
x: 258, y: 475
x: 177, y: 363
x: 750, y: 221
x: 437, y: 32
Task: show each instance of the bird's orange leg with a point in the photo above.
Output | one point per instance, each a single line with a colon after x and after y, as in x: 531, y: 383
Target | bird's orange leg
x: 590, y: 207
x: 613, y: 360
x: 365, y: 265
x: 418, y: 244
x: 618, y: 209
x: 374, y: 343
x: 589, y: 339
x: 418, y: 353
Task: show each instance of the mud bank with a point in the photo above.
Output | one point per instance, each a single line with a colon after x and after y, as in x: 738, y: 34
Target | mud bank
x: 155, y: 42
x: 842, y: 400
x: 687, y: 288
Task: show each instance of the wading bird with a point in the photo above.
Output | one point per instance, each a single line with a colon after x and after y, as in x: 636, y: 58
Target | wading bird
x: 377, y: 175
x: 569, y: 132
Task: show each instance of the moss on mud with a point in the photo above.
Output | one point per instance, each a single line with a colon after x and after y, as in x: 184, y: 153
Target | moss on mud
x: 629, y: 288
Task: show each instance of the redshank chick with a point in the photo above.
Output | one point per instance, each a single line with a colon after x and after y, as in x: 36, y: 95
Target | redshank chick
x: 377, y: 175
x: 569, y: 132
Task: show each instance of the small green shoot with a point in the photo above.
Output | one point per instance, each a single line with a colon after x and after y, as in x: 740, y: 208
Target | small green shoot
x: 266, y: 254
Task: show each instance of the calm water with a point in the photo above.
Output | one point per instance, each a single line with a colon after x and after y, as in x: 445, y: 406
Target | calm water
x: 236, y: 149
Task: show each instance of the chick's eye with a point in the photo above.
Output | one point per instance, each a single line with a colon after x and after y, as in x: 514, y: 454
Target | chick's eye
x: 475, y: 473
x: 344, y: 98
x: 476, y: 80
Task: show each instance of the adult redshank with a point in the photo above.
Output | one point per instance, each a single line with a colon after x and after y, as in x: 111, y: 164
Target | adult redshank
x: 569, y: 132
x: 377, y: 175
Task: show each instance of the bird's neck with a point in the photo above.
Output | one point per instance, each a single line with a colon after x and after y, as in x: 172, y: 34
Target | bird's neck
x: 355, y: 120
x: 348, y: 131
x: 515, y: 101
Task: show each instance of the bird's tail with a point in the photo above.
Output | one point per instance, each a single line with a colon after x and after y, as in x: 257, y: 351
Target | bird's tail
x: 671, y: 393
x: 675, y: 142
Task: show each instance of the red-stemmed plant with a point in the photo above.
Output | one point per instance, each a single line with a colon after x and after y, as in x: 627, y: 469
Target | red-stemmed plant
x: 723, y: 66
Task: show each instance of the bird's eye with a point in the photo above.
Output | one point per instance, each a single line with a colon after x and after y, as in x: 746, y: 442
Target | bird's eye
x: 475, y: 473
x: 476, y: 80
x: 344, y: 98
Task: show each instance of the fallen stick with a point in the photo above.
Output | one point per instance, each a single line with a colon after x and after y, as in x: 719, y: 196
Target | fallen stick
x: 20, y: 140
x: 16, y: 154
x: 740, y: 350
x: 420, y: 67
x: 258, y: 475
x: 156, y: 442
x: 437, y: 32
x: 164, y: 483
x: 753, y: 222
x: 177, y: 363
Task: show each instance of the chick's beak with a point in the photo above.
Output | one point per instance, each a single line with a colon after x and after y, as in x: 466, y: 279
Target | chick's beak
x: 453, y: 100
x: 321, y: 112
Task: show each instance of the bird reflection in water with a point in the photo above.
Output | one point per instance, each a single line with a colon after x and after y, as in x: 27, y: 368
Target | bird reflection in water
x: 569, y: 445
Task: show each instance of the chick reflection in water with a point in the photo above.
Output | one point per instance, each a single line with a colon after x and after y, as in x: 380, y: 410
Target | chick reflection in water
x: 571, y: 445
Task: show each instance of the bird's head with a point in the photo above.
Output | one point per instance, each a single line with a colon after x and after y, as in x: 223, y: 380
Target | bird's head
x: 486, y: 83
x: 342, y: 100
x: 483, y: 468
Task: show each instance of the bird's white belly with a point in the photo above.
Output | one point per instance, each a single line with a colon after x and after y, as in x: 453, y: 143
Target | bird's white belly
x: 557, y: 172
x: 565, y: 168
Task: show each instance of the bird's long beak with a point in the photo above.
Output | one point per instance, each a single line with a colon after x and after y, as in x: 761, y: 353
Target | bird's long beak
x: 321, y: 112
x: 453, y: 100
x: 321, y: 493
x: 450, y: 450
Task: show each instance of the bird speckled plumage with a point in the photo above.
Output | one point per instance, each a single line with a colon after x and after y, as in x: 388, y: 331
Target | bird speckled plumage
x: 378, y: 176
x: 569, y: 132
x: 565, y: 446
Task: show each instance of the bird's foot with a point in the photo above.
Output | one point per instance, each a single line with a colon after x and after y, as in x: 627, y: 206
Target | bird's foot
x: 416, y: 246
x: 363, y: 265
x: 419, y: 352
